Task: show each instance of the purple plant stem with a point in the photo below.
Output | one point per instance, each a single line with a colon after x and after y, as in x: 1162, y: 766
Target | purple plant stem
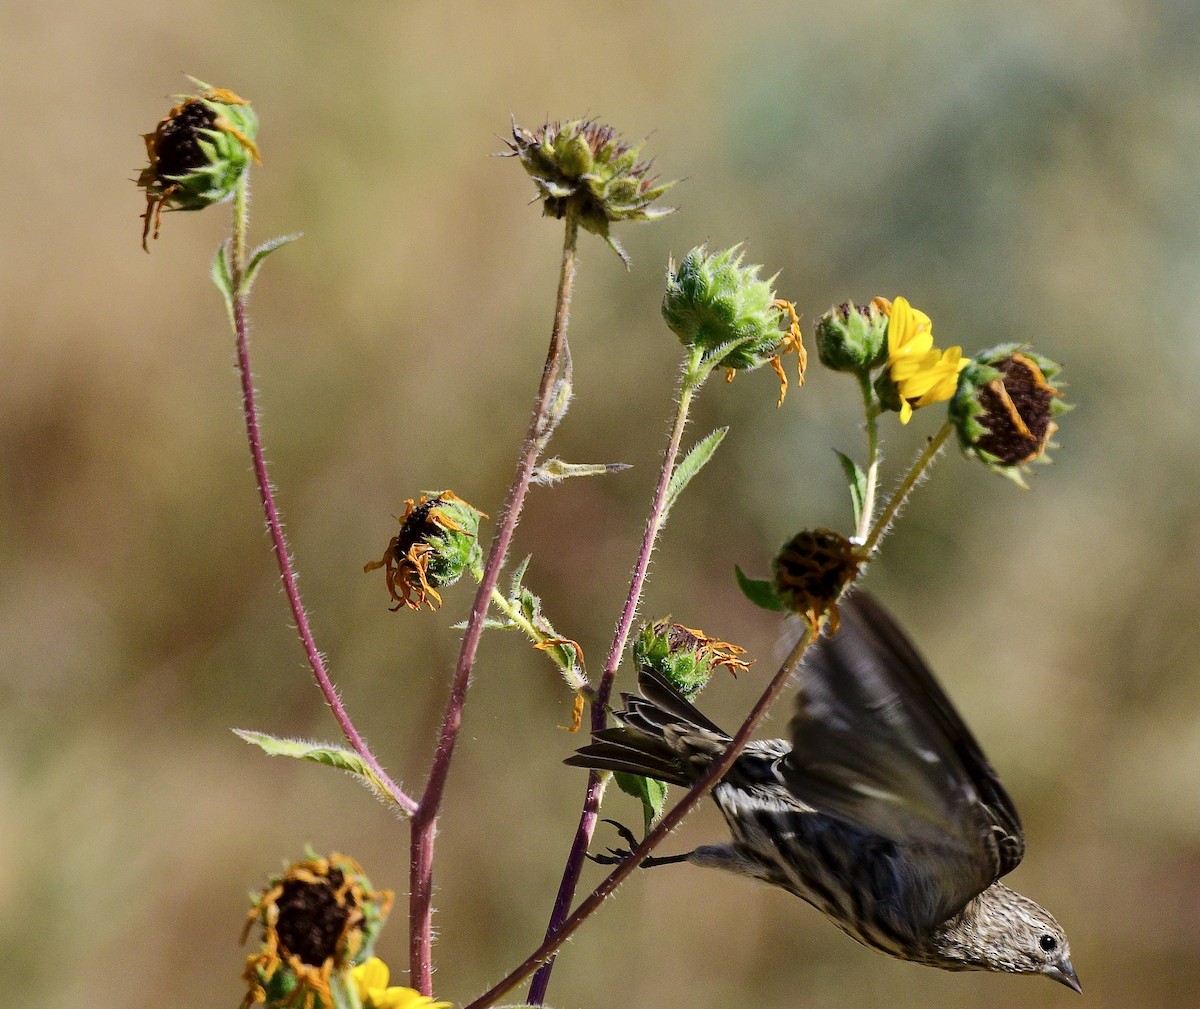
x: 287, y: 573
x: 664, y: 826
x: 424, y: 823
x: 590, y: 814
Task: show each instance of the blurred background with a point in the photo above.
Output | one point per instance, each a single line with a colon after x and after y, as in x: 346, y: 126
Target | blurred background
x: 1019, y: 171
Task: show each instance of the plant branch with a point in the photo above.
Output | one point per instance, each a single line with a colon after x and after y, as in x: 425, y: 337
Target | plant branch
x: 594, y: 793
x: 279, y: 544
x: 872, y: 415
x: 913, y: 477
x: 425, y: 818
x: 668, y: 823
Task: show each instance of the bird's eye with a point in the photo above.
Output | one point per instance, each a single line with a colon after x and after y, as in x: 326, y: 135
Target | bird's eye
x: 1048, y: 943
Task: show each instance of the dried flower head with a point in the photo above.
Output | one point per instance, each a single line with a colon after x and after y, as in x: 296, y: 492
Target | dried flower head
x: 437, y: 542
x: 813, y: 569
x: 584, y: 164
x: 319, y: 917
x: 684, y: 656
x: 1005, y: 408
x: 918, y: 373
x: 721, y: 308
x: 197, y: 154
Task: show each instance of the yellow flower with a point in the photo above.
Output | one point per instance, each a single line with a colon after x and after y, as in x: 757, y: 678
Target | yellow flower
x: 922, y: 373
x: 371, y: 980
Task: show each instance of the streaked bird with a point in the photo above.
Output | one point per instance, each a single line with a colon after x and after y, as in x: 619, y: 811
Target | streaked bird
x: 881, y: 810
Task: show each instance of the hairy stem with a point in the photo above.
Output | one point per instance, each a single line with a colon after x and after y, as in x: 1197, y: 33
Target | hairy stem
x: 872, y: 415
x: 424, y: 822
x: 594, y: 793
x: 668, y: 823
x: 279, y: 544
x: 913, y: 477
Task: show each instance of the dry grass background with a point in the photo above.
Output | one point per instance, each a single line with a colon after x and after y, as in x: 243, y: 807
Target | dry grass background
x: 1020, y: 172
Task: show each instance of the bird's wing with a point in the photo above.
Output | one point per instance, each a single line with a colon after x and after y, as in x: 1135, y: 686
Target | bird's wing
x: 876, y: 742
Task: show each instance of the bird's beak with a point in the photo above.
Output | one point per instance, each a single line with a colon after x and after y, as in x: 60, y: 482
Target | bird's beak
x: 1064, y: 973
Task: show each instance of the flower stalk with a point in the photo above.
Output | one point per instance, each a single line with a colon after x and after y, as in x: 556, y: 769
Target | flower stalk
x: 693, y: 376
x: 425, y: 817
x: 914, y: 476
x: 871, y: 411
x: 287, y: 575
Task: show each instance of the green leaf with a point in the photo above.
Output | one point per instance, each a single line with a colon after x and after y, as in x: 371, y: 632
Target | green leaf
x: 261, y: 253
x: 519, y: 575
x: 857, y: 481
x: 319, y: 753
x: 690, y: 465
x: 222, y: 277
x: 554, y: 470
x: 650, y: 791
x: 760, y: 591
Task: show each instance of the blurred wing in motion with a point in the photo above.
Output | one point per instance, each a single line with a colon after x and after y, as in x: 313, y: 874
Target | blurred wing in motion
x: 876, y: 742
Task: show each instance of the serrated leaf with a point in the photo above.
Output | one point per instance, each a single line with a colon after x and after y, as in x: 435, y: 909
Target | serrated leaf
x: 651, y: 792
x: 690, y: 465
x: 856, y: 479
x: 328, y: 754
x: 760, y: 591
x: 554, y: 470
x: 261, y: 253
x: 222, y: 277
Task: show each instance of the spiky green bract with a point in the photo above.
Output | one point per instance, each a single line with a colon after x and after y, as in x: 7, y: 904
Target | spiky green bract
x: 714, y: 304
x: 585, y: 164
x: 852, y: 337
x: 1004, y: 409
x: 200, y: 150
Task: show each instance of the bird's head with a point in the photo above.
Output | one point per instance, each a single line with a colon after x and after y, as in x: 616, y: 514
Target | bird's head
x: 1002, y: 930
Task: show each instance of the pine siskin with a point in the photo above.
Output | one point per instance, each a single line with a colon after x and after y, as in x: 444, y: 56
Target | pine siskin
x: 881, y: 810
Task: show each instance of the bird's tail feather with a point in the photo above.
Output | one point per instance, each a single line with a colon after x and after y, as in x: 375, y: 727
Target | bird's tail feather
x: 661, y: 735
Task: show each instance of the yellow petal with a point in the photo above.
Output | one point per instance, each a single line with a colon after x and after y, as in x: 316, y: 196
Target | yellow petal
x: 909, y: 330
x: 373, y: 973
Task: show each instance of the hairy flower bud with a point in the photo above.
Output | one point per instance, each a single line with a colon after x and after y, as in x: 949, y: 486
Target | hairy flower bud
x: 437, y: 542
x: 716, y: 305
x: 1004, y: 408
x: 851, y: 337
x: 320, y: 917
x: 685, y: 657
x: 586, y: 165
x: 197, y: 154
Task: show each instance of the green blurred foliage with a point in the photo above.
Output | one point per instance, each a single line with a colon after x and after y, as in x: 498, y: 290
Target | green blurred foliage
x: 1020, y: 171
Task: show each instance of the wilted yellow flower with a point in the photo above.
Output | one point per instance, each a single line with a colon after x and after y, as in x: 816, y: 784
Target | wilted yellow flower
x: 371, y: 980
x: 923, y: 374
x: 316, y: 918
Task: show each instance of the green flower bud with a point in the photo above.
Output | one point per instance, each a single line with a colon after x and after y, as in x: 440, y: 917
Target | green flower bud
x: 437, y: 542
x: 716, y: 305
x: 197, y: 154
x: 813, y: 569
x: 685, y: 657
x: 1004, y: 408
x: 319, y: 918
x: 852, y: 337
x: 584, y: 164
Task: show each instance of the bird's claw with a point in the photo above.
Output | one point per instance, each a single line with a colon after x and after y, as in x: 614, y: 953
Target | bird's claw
x: 616, y: 856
